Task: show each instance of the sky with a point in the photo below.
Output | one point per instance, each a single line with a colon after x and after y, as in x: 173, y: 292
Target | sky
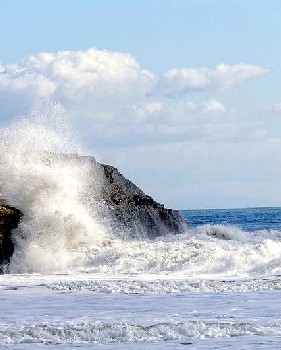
x: 183, y: 97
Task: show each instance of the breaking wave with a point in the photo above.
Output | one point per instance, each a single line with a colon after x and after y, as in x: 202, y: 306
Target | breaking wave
x: 61, y: 230
x: 193, y: 254
x: 101, y: 332
x: 167, y: 286
x: 47, y: 187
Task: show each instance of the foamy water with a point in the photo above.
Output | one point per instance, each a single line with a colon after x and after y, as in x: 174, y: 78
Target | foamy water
x: 36, y: 310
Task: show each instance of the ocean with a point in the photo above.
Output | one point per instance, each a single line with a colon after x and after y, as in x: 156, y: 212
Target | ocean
x: 215, y: 287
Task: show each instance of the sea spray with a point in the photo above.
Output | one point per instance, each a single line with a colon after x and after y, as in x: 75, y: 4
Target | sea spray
x: 192, y: 255
x: 47, y: 188
x: 60, y: 230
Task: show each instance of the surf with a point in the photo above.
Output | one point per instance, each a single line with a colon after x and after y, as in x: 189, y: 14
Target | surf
x: 65, y: 229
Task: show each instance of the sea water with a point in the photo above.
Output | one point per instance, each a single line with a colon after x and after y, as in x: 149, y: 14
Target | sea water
x: 73, y: 283
x: 212, y: 292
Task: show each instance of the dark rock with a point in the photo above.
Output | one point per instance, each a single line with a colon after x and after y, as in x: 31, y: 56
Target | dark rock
x: 9, y: 219
x: 132, y: 212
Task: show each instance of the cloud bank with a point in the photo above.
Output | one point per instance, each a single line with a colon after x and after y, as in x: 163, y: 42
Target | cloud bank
x: 75, y: 77
x: 114, y: 97
x: 179, y: 81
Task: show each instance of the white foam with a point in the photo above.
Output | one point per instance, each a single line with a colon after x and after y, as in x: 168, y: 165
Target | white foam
x: 101, y: 332
x: 167, y: 286
x: 191, y: 255
x: 224, y: 232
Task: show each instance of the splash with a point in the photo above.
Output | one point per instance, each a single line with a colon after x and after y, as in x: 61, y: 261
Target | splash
x: 62, y: 230
x: 47, y: 188
x: 195, y: 254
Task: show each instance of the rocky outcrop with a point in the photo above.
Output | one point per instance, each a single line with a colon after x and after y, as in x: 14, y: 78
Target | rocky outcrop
x: 134, y: 213
x: 118, y: 204
x: 9, y: 219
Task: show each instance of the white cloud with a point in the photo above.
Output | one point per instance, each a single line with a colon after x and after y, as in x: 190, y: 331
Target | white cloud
x: 116, y: 99
x: 214, y: 106
x: 78, y: 76
x: 178, y: 81
x: 276, y: 108
x: 75, y: 77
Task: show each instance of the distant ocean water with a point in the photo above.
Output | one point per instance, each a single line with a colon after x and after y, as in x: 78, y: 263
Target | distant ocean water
x: 216, y: 287
x: 248, y: 219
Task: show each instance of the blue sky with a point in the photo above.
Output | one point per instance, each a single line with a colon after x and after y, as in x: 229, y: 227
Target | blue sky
x: 160, y: 33
x: 189, y: 124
